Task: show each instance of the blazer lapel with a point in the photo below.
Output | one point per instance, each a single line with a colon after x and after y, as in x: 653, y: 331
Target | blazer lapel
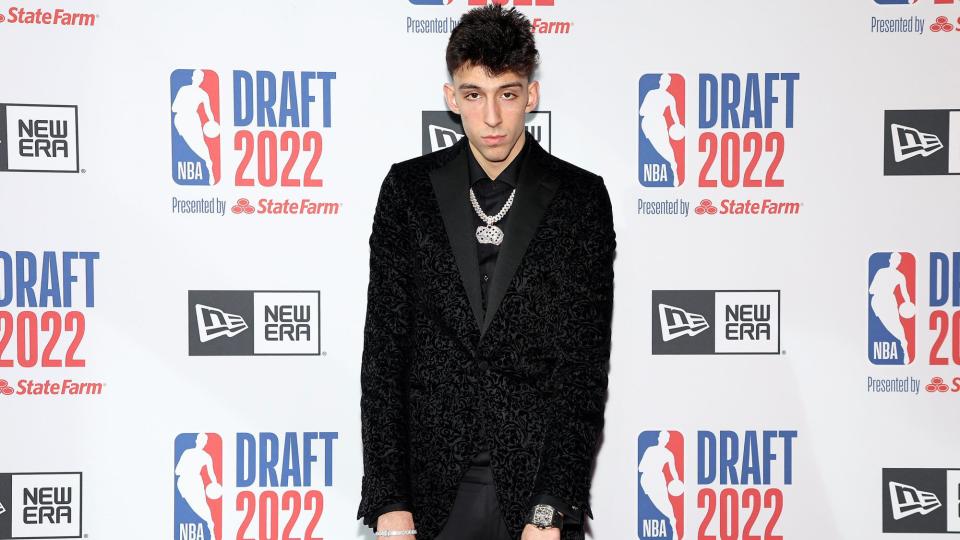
x: 535, y: 190
x: 452, y: 188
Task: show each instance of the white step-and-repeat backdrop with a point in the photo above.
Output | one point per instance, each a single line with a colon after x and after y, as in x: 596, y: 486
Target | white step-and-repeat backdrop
x: 181, y: 307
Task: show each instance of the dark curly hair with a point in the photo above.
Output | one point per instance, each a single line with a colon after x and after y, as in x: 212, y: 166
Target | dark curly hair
x: 498, y: 39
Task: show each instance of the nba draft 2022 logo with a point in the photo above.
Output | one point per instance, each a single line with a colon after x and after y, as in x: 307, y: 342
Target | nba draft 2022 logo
x: 46, y: 298
x: 250, y: 129
x: 897, y: 317
x: 894, y: 308
x: 741, y: 477
x: 275, y: 486
x: 740, y: 124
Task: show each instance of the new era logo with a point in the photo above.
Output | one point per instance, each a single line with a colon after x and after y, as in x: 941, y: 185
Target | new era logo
x: 41, y: 505
x: 676, y: 322
x: 921, y: 142
x: 39, y: 138
x: 250, y: 323
x: 441, y: 137
x: 909, y: 142
x: 716, y: 322
x: 921, y: 500
x: 213, y: 323
x: 907, y: 500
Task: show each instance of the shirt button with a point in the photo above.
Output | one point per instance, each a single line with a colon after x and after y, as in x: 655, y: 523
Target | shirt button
x: 485, y: 277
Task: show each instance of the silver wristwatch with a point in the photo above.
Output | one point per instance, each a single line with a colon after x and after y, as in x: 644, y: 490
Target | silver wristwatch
x: 544, y: 516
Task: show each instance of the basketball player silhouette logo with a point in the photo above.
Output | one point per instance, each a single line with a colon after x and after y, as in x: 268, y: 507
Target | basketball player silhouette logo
x: 661, y: 484
x: 197, y: 483
x: 662, y: 132
x: 892, y: 320
x: 196, y: 137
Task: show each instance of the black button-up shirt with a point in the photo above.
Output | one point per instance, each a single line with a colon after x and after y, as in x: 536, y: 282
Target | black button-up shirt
x: 492, y: 195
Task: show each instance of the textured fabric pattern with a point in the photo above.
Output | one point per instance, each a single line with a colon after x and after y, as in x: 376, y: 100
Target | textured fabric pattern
x: 533, y: 389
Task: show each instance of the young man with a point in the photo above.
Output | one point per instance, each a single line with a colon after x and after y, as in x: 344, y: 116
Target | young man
x: 487, y: 333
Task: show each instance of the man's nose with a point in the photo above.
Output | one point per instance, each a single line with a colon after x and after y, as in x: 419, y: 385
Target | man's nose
x: 491, y: 113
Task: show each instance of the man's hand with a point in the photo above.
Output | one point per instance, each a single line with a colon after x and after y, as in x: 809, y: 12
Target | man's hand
x: 399, y: 520
x: 531, y: 532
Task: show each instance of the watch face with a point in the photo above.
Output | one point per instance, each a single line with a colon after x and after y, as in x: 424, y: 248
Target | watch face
x: 542, y: 515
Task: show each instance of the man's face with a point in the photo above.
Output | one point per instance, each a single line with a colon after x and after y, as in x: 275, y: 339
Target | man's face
x: 492, y: 108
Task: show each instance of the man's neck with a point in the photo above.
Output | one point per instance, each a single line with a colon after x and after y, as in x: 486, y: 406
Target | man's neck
x: 494, y: 168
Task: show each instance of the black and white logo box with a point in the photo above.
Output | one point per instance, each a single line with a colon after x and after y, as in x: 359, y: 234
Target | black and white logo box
x: 716, y: 322
x: 921, y: 142
x: 921, y: 500
x: 41, y: 505
x: 442, y: 129
x: 253, y: 323
x: 39, y: 138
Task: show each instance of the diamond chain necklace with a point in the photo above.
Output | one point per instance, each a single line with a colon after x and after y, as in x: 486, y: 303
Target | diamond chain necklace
x: 490, y: 233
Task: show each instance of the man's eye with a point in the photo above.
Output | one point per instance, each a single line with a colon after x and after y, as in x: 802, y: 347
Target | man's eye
x: 473, y: 95
x: 509, y: 95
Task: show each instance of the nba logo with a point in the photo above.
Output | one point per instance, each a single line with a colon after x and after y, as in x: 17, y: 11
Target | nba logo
x: 892, y: 309
x: 662, y: 131
x: 198, y: 488
x: 660, y: 481
x: 195, y: 126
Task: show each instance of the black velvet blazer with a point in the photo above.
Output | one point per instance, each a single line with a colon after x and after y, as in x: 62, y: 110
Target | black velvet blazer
x: 528, y: 380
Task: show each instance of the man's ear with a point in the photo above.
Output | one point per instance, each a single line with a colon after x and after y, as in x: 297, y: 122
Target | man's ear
x: 451, y: 96
x: 533, y: 96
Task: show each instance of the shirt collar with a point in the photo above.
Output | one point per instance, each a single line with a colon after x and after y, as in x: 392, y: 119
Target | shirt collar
x: 509, y: 175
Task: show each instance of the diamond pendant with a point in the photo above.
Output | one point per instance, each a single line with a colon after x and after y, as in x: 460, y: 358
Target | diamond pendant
x: 489, y: 234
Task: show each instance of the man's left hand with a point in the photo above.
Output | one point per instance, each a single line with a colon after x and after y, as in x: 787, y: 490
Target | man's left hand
x: 531, y: 532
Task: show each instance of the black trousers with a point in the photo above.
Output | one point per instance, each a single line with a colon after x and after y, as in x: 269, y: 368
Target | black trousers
x: 476, y: 514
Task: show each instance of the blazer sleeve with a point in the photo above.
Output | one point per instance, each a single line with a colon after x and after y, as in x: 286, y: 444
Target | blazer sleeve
x: 579, y: 382
x: 386, y: 354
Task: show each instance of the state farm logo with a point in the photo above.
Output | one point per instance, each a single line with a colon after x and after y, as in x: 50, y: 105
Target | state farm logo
x: 285, y: 207
x: 705, y: 207
x: 943, y: 24
x: 747, y: 207
x: 59, y: 17
x: 937, y: 385
x: 242, y: 207
x: 444, y: 25
x: 47, y: 387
